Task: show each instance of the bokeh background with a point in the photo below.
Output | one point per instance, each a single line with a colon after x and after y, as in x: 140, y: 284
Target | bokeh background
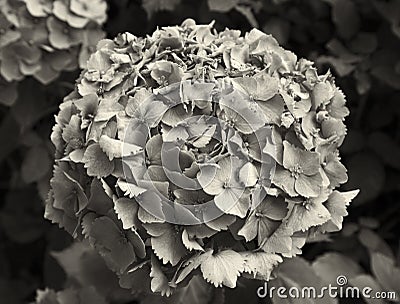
x: 358, y: 40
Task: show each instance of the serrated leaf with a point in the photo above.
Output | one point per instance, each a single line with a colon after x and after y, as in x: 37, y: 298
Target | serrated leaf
x: 113, y: 244
x: 260, y: 264
x: 159, y: 282
x: 222, y: 268
x: 130, y: 189
x: 166, y: 242
x: 190, y: 243
x: 127, y: 210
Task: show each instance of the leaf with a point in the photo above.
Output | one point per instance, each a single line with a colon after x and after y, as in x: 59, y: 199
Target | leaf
x: 386, y: 147
x: 90, y: 295
x: 99, y: 200
x: 222, y: 6
x: 190, y: 265
x: 363, y: 281
x: 332, y: 264
x: 115, y: 148
x: 386, y: 272
x: 159, y: 282
x: 374, y: 243
x: 154, y: 6
x: 130, y: 189
x: 360, y: 166
x: 114, y: 245
x: 8, y: 93
x: 127, y: 210
x: 69, y: 258
x: 69, y: 195
x: 298, y: 273
x: 36, y: 164
x: 97, y: 162
x: 190, y: 243
x: 222, y: 268
x: 166, y: 241
x: 196, y: 292
x: 346, y: 18
x: 260, y: 264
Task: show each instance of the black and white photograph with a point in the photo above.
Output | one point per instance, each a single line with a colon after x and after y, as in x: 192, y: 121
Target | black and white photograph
x: 199, y: 151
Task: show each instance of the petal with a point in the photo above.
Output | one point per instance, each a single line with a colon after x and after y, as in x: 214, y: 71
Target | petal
x: 284, y: 180
x: 309, y: 162
x: 233, y: 201
x: 291, y: 155
x: 309, y: 186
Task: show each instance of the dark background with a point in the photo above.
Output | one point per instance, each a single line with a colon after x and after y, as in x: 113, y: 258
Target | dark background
x: 359, y: 40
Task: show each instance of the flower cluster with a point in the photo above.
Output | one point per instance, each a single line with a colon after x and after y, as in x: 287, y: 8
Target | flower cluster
x: 42, y: 38
x: 193, y: 151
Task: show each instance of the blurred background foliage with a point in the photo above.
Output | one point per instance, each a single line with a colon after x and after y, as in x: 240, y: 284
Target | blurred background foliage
x: 41, y: 51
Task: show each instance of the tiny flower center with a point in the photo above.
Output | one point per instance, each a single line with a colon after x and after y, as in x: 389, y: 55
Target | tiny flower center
x: 296, y: 171
x: 307, y: 204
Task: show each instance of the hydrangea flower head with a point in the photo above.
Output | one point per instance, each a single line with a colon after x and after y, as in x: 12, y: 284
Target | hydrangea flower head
x: 193, y: 152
